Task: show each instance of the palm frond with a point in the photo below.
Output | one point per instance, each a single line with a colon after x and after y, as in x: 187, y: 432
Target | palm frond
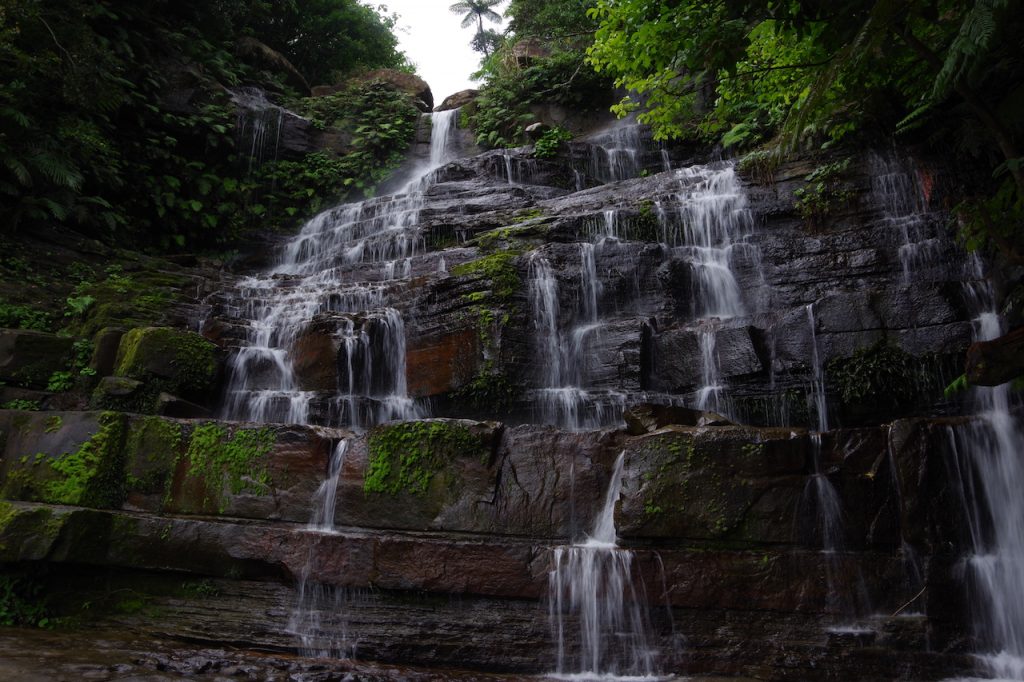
x: 468, y: 20
x: 915, y: 119
x: 491, y: 15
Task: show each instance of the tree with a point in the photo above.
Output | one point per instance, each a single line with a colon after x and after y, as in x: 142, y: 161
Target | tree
x: 478, y: 10
x: 744, y: 71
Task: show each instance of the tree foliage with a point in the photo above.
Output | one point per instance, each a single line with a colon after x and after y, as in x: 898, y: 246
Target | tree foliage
x: 809, y: 73
x: 114, y: 115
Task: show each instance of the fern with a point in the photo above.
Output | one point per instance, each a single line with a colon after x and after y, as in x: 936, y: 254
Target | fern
x: 58, y: 170
x: 915, y: 119
x: 970, y: 46
x: 20, y: 171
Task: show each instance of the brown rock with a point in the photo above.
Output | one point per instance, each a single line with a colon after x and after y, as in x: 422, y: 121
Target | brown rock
x: 441, y: 363
x: 990, y: 363
x: 459, y: 99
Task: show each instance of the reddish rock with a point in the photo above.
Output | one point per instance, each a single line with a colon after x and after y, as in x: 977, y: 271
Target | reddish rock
x: 441, y: 363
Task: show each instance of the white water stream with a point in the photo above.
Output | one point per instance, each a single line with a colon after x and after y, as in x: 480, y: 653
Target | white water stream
x: 597, y: 605
x: 338, y: 266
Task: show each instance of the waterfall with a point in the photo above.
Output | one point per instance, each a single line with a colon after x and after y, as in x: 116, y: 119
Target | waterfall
x: 903, y: 202
x: 325, y: 497
x: 989, y: 452
x: 597, y: 610
x: 258, y: 125
x: 708, y: 227
x: 336, y: 271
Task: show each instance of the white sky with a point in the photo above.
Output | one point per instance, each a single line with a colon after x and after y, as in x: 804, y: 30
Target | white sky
x: 433, y: 39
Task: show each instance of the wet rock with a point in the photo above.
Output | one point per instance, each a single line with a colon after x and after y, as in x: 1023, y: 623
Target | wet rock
x: 168, y: 405
x: 704, y: 483
x: 104, y: 354
x: 29, y: 358
x: 648, y: 418
x: 406, y: 82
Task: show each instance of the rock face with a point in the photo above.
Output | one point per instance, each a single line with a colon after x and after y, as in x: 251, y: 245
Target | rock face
x: 490, y: 332
x: 714, y: 515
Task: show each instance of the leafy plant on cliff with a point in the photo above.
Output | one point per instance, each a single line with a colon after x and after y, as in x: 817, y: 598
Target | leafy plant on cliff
x: 23, y: 602
x: 826, y: 191
x: 550, y: 142
x: 879, y: 377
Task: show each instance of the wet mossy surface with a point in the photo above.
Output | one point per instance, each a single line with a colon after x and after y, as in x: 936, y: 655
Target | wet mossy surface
x: 406, y: 457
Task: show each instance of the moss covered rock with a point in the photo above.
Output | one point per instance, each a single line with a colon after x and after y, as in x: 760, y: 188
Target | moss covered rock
x: 177, y: 361
x: 70, y: 458
x: 29, y: 358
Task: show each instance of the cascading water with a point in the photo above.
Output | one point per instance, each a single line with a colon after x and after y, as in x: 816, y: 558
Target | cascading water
x: 313, y: 284
x: 708, y: 226
x: 335, y: 274
x: 897, y: 189
x: 989, y: 451
x: 597, y: 610
x: 258, y: 125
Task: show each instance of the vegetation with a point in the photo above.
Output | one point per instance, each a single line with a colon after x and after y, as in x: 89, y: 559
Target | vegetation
x: 550, y: 142
x: 405, y: 457
x: 229, y: 462
x: 478, y: 10
x: 115, y: 119
x: 23, y: 601
x: 802, y: 74
x: 93, y: 475
x: 552, y: 70
x: 499, y: 268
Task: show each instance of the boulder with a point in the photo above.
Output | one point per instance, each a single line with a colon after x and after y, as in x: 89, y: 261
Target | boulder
x: 406, y: 82
x: 459, y: 99
x: 535, y: 131
x: 990, y: 363
x: 529, y: 50
x: 28, y: 358
x: 182, y: 362
x: 104, y: 354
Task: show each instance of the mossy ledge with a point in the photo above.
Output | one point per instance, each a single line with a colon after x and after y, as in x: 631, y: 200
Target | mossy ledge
x: 405, y: 457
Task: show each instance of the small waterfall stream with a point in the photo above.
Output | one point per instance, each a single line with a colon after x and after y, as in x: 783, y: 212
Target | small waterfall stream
x: 597, y: 608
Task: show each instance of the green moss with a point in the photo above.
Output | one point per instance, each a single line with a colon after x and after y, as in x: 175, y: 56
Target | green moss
x: 405, y: 457
x: 825, y: 193
x: 94, y: 475
x: 499, y: 268
x: 53, y: 424
x: 152, y: 447
x: 761, y: 164
x: 7, y: 512
x: 230, y: 462
x: 490, y: 389
x: 183, y: 362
